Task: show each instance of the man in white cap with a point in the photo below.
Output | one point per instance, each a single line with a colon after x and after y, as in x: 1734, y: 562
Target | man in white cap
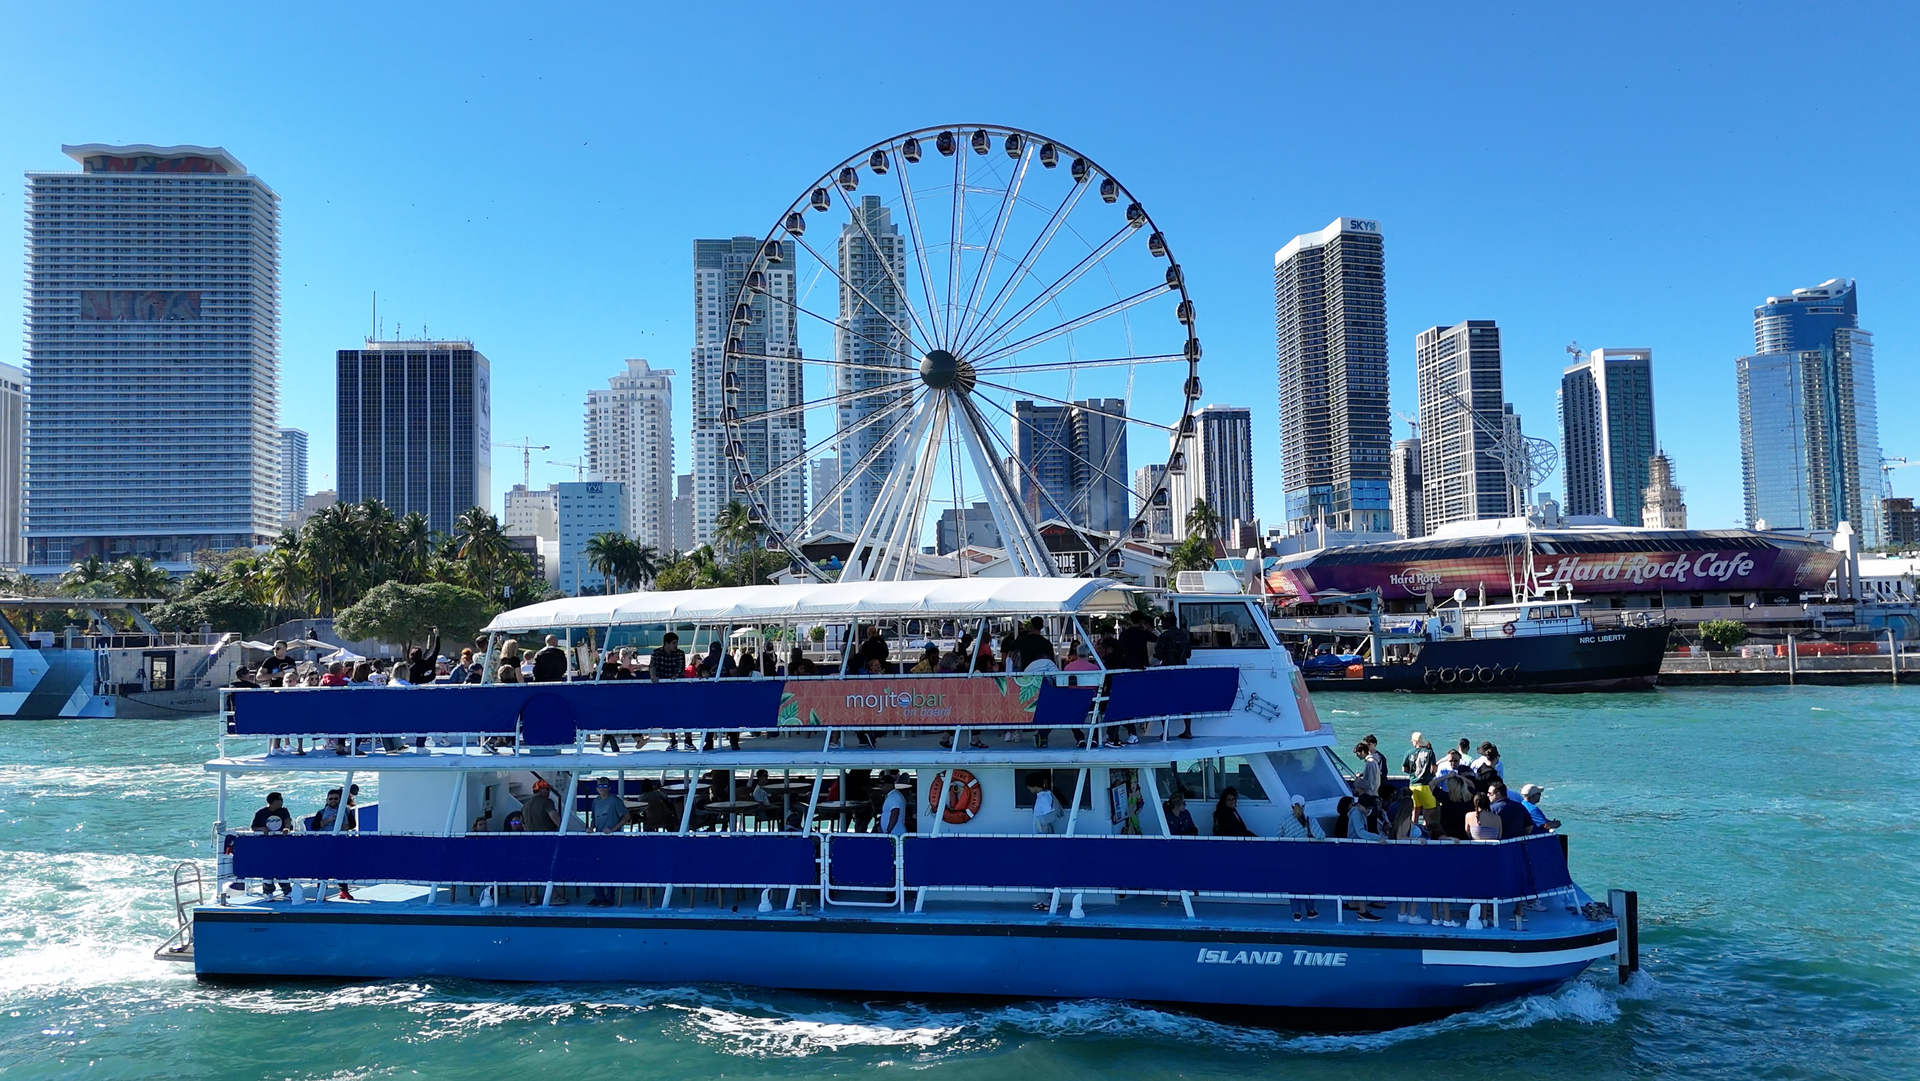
x: 1530, y: 800
x: 1300, y: 827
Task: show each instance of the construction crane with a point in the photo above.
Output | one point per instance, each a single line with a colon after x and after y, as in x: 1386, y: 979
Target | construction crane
x: 1413, y: 421
x: 579, y: 468
x: 526, y: 447
x: 1887, y: 466
x: 1574, y: 349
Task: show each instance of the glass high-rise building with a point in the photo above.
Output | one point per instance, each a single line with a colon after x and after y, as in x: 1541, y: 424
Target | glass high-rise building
x: 1072, y: 462
x: 293, y: 472
x: 1606, y: 433
x: 1462, y: 421
x: 1330, y: 327
x: 1809, y: 422
x: 13, y: 467
x: 770, y: 378
x: 153, y: 350
x: 1222, y: 450
x: 1409, y: 504
x: 415, y: 428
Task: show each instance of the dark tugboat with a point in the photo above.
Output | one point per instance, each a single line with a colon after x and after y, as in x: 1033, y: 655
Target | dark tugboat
x: 1542, y: 644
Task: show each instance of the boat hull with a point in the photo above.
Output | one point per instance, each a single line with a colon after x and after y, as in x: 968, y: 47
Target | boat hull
x: 1610, y: 659
x: 1339, y: 974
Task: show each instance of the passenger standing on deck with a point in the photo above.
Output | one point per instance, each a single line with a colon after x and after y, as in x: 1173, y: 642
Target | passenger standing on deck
x: 609, y: 814
x: 537, y: 813
x: 1226, y: 815
x: 1136, y: 642
x: 1514, y: 819
x: 1032, y: 645
x: 550, y: 664
x: 1298, y: 826
x: 1173, y: 646
x: 1046, y: 809
x: 1489, y: 756
x: 420, y: 666
x: 893, y: 810
x: 274, y: 821
x: 1419, y: 764
x: 873, y: 647
x: 1367, y: 781
x: 1482, y: 823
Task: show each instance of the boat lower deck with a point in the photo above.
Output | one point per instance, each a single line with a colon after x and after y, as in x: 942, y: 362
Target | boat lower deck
x: 1135, y: 947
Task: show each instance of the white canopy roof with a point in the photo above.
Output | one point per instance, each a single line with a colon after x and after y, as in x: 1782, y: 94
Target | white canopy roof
x: 952, y: 597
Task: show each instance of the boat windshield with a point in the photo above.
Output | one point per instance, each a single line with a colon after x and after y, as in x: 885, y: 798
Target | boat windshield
x: 1308, y: 773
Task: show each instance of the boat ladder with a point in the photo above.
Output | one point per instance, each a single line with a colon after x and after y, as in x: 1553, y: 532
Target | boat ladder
x: 179, y: 945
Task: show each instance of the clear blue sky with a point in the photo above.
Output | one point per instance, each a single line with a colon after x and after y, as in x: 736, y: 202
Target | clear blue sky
x: 532, y: 176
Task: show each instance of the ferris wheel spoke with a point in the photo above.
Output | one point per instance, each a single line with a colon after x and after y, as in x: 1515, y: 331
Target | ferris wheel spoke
x: 1059, y: 285
x: 1072, y: 325
x: 841, y: 398
x: 847, y: 477
x: 910, y: 511
x: 1028, y: 471
x: 831, y: 269
x: 1018, y: 392
x: 835, y: 436
x: 888, y: 346
x: 919, y: 240
x: 1023, y: 545
x: 1079, y: 501
x: 873, y: 244
x: 885, y: 504
x: 893, y: 369
x: 1075, y: 365
x: 1005, y: 293
x: 1008, y: 198
x: 959, y: 226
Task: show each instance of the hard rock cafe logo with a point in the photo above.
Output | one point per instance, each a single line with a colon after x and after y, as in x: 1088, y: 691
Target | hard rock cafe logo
x: 1416, y: 579
x: 1640, y: 569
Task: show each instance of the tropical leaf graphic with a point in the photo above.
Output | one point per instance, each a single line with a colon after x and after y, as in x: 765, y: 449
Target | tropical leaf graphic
x: 789, y: 709
x: 1029, y: 691
x: 813, y: 717
x: 1001, y: 682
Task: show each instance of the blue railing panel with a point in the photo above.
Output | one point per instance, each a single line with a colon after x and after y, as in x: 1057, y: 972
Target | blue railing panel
x: 1172, y: 691
x: 628, y: 858
x: 1532, y: 865
x: 861, y: 860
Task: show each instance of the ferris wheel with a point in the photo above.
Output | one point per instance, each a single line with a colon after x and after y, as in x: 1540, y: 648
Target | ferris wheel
x: 970, y: 337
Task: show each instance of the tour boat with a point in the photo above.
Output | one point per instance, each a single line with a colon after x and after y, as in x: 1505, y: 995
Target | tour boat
x: 967, y: 899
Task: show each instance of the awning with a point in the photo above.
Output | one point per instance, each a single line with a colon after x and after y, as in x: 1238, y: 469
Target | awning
x: 821, y: 603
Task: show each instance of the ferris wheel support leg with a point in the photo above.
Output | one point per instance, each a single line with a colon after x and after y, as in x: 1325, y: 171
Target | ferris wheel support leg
x: 1021, y: 544
x: 859, y: 569
x: 910, y: 512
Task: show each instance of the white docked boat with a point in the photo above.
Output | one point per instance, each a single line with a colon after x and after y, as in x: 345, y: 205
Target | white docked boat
x: 110, y: 663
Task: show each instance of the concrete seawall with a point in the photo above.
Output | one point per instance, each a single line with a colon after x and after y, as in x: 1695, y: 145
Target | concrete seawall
x: 1731, y: 669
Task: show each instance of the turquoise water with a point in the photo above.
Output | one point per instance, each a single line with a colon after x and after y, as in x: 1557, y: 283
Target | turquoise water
x: 1773, y: 834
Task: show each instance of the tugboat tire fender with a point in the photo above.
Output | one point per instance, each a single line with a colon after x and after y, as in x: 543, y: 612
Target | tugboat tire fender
x: 1483, y: 675
x: 1448, y: 675
x: 1511, y: 675
x: 1431, y: 677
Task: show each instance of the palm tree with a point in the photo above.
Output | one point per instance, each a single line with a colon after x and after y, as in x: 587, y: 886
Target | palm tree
x: 289, y: 579
x: 644, y: 564
x: 414, y: 547
x: 249, y: 575
x: 736, y: 528
x: 87, y: 571
x: 608, y: 554
x: 1203, y: 519
x: 136, y: 576
x: 482, y: 542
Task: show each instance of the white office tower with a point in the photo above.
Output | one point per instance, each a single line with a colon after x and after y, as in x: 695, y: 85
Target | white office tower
x: 1157, y: 499
x: 293, y: 472
x: 1662, y: 505
x: 1606, y: 432
x: 153, y: 349
x: 825, y: 473
x: 13, y: 450
x: 867, y: 340
x: 682, y: 513
x: 532, y: 512
x: 769, y: 376
x: 1462, y: 420
x: 630, y: 440
x: 1404, y: 489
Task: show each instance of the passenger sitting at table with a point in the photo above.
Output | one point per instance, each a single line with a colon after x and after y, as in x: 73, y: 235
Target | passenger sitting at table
x: 758, y: 793
x: 859, y: 792
x: 873, y: 648
x: 1226, y: 815
x: 656, y: 811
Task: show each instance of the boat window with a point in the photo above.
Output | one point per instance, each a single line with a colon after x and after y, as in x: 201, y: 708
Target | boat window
x: 6, y: 671
x: 1206, y: 778
x: 1228, y: 625
x: 1308, y: 773
x: 1062, y: 785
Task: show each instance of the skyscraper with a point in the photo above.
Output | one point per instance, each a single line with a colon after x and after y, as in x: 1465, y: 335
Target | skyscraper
x: 1148, y: 492
x: 13, y: 450
x: 1662, y: 505
x: 825, y: 473
x: 1606, y: 432
x: 960, y: 527
x: 1223, y: 455
x: 1462, y: 420
x: 1072, y: 462
x: 1809, y: 425
x: 1407, y: 493
x: 683, y: 513
x: 630, y: 440
x: 153, y: 346
x: 586, y: 508
x: 415, y: 428
x: 1330, y: 323
x: 532, y: 512
x: 293, y: 472
x: 769, y: 378
x: 866, y: 338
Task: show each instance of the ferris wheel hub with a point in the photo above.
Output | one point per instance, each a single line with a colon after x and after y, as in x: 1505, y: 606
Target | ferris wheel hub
x: 939, y: 369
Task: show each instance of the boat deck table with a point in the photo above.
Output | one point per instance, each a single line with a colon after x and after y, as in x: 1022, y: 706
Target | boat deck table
x: 728, y: 809
x: 840, y: 810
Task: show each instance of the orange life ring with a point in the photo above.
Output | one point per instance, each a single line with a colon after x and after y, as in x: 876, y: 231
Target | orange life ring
x: 1507, y: 628
x: 962, y: 796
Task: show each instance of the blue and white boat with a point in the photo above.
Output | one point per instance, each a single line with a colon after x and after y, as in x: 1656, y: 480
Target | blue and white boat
x: 109, y: 661
x: 787, y: 893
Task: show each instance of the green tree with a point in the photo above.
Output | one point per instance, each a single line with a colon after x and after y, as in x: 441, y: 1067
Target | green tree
x: 136, y: 576
x: 1203, y: 519
x: 226, y: 607
x: 736, y: 529
x: 85, y: 573
x: 1725, y: 633
x: 413, y: 548
x: 403, y: 614
x: 610, y: 555
x: 1193, y: 554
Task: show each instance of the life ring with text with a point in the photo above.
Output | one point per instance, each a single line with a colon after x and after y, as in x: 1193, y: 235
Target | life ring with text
x: 962, y: 797
x: 1508, y: 628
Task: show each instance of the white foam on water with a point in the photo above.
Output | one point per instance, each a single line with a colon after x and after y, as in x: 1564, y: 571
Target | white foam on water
x: 797, y: 1036
x: 81, y: 920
